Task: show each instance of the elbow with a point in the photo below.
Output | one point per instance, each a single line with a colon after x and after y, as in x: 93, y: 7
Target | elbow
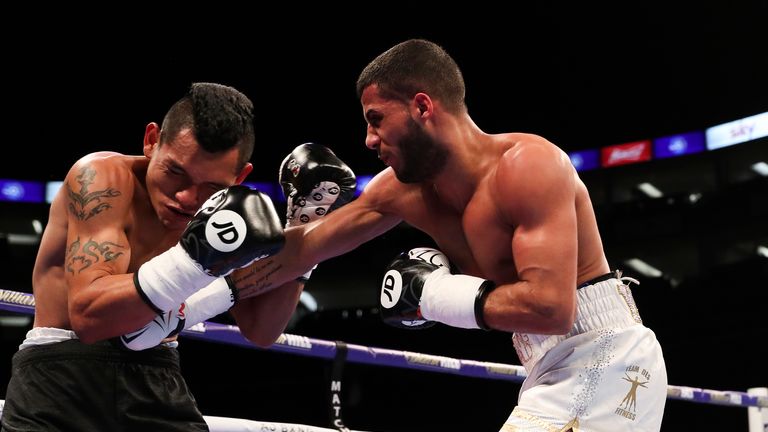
x: 85, y: 333
x: 560, y: 320
x: 81, y: 324
x: 261, y: 339
x: 263, y: 343
x: 555, y: 319
x: 561, y: 325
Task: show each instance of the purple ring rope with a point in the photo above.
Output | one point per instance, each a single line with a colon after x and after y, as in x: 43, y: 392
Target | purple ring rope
x: 292, y: 344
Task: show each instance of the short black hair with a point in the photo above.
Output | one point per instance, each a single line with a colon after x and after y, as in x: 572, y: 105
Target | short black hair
x: 220, y: 117
x: 414, y: 66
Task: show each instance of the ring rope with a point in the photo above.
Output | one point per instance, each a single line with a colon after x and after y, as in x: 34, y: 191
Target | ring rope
x: 306, y: 346
x: 230, y: 424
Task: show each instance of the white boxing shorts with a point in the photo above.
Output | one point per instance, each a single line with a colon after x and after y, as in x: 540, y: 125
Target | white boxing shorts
x: 607, y: 374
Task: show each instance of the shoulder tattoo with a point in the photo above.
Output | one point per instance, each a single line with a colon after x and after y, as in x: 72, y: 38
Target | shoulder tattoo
x: 85, y: 204
x: 80, y: 255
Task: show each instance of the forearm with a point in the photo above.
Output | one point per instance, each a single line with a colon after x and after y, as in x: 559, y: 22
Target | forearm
x: 109, y: 306
x: 530, y: 307
x: 262, y: 319
x: 312, y: 243
x: 267, y: 274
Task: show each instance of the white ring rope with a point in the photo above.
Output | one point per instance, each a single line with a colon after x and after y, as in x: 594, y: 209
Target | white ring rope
x: 293, y: 344
x: 227, y: 424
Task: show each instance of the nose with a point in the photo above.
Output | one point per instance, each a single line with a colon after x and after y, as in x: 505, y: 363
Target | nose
x: 189, y: 198
x: 372, y: 140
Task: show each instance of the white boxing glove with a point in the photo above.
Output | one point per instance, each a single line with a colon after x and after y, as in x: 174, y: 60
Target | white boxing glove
x: 214, y: 299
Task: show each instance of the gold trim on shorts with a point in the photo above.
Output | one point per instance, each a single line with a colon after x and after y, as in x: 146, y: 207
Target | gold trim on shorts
x: 572, y: 425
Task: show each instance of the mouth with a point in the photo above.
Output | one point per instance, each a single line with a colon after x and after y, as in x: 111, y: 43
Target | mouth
x: 180, y: 213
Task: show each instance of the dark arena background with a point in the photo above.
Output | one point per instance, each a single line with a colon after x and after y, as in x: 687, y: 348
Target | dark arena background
x: 585, y: 78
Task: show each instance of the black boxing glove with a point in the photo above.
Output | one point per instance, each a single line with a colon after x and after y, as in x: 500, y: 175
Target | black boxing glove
x: 315, y: 182
x: 419, y: 289
x: 236, y: 226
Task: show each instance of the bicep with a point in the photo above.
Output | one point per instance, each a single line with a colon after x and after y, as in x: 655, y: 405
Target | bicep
x: 545, y: 246
x: 543, y: 213
x: 97, y: 204
x: 94, y: 253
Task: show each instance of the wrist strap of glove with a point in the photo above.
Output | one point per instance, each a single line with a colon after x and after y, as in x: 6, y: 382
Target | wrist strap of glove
x: 166, y: 280
x: 454, y: 299
x: 215, y: 299
x: 482, y: 295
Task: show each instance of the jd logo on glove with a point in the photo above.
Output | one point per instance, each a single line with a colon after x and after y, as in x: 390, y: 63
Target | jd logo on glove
x: 225, y: 230
x: 391, y: 289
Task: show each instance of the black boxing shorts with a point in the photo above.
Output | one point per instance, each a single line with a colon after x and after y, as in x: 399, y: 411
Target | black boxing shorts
x: 71, y: 386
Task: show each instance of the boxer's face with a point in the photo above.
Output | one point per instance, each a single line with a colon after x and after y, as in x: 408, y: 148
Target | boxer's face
x: 181, y: 176
x: 422, y: 157
x: 400, y: 141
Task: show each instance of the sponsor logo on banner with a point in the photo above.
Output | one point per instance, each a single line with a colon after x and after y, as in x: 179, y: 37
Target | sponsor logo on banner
x: 678, y: 145
x: 738, y: 131
x: 622, y: 154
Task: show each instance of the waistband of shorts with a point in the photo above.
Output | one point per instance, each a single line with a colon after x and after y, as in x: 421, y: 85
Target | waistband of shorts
x: 607, y: 303
x: 605, y: 277
x: 46, y: 335
x: 104, y: 351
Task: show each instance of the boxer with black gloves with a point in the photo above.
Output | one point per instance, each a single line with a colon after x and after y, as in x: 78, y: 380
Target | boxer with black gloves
x: 315, y: 182
x: 235, y: 227
x: 126, y: 237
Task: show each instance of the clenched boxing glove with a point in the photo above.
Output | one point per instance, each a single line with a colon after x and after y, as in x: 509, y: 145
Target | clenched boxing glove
x: 315, y: 182
x: 418, y: 289
x: 236, y: 226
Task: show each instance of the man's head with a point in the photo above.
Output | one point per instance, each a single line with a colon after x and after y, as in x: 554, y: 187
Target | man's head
x: 400, y: 90
x: 204, y: 145
x: 219, y: 116
x: 416, y: 66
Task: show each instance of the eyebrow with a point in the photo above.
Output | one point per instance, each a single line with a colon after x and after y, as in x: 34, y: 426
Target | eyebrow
x: 369, y: 113
x: 174, y: 165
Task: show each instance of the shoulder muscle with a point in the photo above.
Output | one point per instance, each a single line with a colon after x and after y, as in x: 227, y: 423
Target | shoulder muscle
x: 97, y: 183
x: 533, y: 177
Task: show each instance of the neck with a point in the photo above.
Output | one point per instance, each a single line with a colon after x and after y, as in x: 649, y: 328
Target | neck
x: 470, y: 150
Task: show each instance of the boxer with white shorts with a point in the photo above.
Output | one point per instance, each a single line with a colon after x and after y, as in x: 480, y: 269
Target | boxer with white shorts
x: 517, y: 223
x: 610, y: 371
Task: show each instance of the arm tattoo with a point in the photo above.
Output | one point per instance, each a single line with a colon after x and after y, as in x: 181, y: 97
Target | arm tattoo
x: 80, y: 257
x: 256, y: 279
x: 80, y: 201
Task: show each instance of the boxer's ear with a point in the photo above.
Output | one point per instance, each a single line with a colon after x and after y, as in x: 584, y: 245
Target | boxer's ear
x: 151, y: 138
x: 247, y: 168
x: 423, y: 104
